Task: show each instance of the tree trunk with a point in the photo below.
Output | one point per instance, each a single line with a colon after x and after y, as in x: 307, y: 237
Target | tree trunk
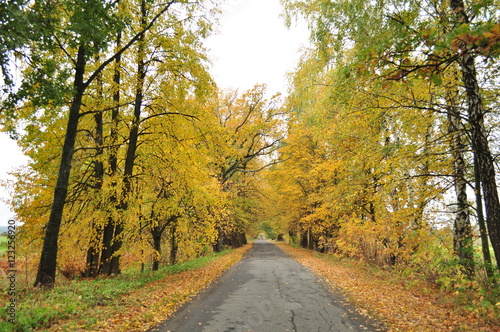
x: 131, y: 152
x: 48, y: 261
x: 109, y: 228
x: 479, y: 138
x: 123, y: 204
x: 173, y: 244
x: 106, y: 253
x: 157, y: 247
x: 480, y: 220
x: 462, y: 240
x: 93, y: 254
x: 92, y: 265
x: 243, y: 239
x: 217, y: 246
x: 485, y: 165
x: 423, y: 182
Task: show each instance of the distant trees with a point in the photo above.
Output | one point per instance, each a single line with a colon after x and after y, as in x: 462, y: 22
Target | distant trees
x: 249, y: 131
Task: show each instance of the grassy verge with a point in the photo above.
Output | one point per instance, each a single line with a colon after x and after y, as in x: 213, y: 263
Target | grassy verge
x: 133, y: 301
x: 401, y: 303
x: 3, y: 244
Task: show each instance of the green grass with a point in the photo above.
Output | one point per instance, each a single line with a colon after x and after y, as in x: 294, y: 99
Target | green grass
x: 39, y: 309
x: 3, y: 244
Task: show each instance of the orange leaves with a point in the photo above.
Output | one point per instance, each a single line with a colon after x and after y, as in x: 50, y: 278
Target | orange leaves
x: 491, y: 41
x: 485, y: 42
x: 464, y: 40
x: 494, y: 33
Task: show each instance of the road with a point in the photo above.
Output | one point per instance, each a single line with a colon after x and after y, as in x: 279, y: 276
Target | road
x: 266, y: 291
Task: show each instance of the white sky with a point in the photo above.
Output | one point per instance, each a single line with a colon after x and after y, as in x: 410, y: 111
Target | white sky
x: 253, y: 47
x: 12, y: 157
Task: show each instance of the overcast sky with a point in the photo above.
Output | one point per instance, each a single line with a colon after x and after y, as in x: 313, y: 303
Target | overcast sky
x: 253, y: 46
x: 11, y: 157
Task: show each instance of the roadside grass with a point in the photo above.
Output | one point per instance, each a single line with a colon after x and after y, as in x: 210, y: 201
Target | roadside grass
x: 3, y: 244
x: 105, y: 304
x: 402, y: 303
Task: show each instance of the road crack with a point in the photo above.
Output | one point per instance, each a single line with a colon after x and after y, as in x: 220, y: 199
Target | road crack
x: 294, y: 326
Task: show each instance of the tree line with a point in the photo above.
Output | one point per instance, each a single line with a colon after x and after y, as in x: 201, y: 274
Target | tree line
x: 391, y: 149
x: 132, y: 146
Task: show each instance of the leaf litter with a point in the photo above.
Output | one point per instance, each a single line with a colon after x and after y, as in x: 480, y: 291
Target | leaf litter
x: 150, y: 305
x: 380, y: 296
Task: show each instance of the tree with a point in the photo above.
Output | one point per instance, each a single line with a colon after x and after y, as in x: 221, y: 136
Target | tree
x: 359, y: 163
x: 86, y: 45
x: 178, y: 186
x: 76, y: 34
x: 245, y: 136
x: 170, y: 58
x: 479, y: 137
x: 463, y: 237
x: 407, y: 40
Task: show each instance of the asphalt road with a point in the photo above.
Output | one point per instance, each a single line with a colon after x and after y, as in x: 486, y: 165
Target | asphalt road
x: 266, y: 292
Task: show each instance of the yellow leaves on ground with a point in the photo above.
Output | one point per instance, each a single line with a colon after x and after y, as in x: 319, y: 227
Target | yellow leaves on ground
x: 154, y: 303
x: 400, y: 308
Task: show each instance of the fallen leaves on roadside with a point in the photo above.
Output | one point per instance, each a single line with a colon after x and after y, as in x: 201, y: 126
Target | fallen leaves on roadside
x: 400, y: 308
x: 154, y: 303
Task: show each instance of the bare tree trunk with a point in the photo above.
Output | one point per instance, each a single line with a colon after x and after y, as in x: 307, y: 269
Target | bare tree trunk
x: 462, y: 240
x: 482, y: 226
x: 217, y: 246
x: 156, y: 246
x: 173, y: 244
x: 48, y: 261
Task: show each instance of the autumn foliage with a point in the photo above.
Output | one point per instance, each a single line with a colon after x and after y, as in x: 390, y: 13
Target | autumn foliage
x: 384, y: 150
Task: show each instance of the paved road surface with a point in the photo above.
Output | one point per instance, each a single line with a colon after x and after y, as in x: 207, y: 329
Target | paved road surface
x: 266, y: 292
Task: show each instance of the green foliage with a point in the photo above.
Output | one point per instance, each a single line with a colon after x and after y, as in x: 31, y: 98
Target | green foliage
x: 268, y: 228
x: 15, y: 28
x: 52, y: 32
x: 3, y: 243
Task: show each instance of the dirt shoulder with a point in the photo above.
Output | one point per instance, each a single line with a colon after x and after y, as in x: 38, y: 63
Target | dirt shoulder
x: 416, y: 307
